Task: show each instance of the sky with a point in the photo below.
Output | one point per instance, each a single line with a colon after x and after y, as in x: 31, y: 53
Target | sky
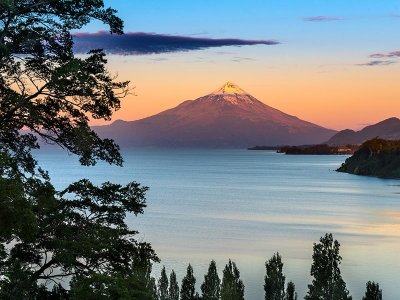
x: 334, y: 63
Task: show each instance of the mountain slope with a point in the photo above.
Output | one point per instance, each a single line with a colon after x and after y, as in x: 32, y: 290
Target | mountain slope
x: 228, y: 117
x: 387, y: 129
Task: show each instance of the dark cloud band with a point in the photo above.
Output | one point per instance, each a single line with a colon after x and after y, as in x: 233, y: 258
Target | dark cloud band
x: 139, y: 43
x: 392, y: 54
x: 321, y: 19
x: 375, y: 63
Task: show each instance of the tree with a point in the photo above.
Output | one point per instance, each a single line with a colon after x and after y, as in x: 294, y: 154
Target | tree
x: 137, y: 285
x: 49, y: 94
x: 163, y: 286
x: 274, y: 286
x: 173, y: 287
x: 45, y: 89
x: 232, y: 287
x: 328, y: 282
x: 188, y: 290
x: 373, y: 292
x: 291, y: 291
x: 211, y: 286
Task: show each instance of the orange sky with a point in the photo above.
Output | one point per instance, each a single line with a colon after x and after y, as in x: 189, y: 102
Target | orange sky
x: 340, y: 95
x: 337, y: 63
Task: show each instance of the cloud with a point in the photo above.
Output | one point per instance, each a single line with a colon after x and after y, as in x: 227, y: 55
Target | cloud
x: 240, y: 59
x: 159, y: 59
x: 139, y: 43
x: 392, y: 54
x: 374, y: 63
x: 322, y: 18
x: 397, y: 16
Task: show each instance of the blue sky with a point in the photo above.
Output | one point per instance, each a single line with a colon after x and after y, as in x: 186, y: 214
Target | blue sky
x: 319, y: 69
x: 367, y: 25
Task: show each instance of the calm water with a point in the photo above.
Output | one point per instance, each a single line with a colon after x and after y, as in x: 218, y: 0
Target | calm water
x: 246, y: 205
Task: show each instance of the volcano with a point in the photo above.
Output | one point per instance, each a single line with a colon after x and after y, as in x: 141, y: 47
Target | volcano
x: 227, y: 118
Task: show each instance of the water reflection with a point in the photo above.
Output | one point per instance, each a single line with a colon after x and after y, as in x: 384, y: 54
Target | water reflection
x: 246, y: 205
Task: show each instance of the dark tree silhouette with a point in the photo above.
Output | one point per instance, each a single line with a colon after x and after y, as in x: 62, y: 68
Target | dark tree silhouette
x: 173, y: 287
x: 211, y: 286
x: 328, y: 282
x: 163, y: 286
x: 188, y: 290
x: 49, y: 94
x: 291, y: 291
x: 232, y: 287
x: 274, y: 286
x: 373, y: 291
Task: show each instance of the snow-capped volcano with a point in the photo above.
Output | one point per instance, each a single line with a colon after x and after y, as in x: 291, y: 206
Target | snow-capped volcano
x: 229, y: 88
x: 231, y: 93
x: 228, y: 117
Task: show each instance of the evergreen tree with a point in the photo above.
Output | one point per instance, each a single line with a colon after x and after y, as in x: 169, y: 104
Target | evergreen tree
x: 211, y: 286
x: 291, y: 291
x: 173, y: 287
x: 373, y: 292
x: 163, y: 286
x: 274, y: 279
x: 232, y: 287
x: 188, y: 290
x: 328, y: 283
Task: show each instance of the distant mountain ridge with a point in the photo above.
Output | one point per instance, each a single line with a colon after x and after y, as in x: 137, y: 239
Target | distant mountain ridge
x: 388, y: 129
x: 227, y: 118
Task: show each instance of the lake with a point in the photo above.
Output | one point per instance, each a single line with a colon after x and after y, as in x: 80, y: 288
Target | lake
x: 246, y: 205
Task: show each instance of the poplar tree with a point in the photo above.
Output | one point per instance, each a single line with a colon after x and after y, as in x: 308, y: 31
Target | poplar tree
x: 291, y: 291
x: 327, y: 283
x: 274, y: 286
x: 188, y: 290
x: 211, y: 286
x: 173, y: 287
x: 232, y: 287
x: 163, y: 286
x: 373, y: 291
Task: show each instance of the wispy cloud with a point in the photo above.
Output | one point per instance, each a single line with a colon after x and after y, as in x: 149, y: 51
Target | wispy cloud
x: 139, y: 43
x: 375, y: 63
x: 382, y: 59
x: 322, y: 18
x: 392, y: 54
x: 240, y: 59
x: 397, y: 16
x: 158, y: 59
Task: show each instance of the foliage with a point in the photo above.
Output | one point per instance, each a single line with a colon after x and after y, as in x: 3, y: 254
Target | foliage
x: 211, y: 286
x: 232, y: 287
x: 373, y: 291
x: 48, y: 94
x: 376, y: 157
x: 163, y: 286
x: 45, y: 89
x: 84, y: 236
x: 322, y: 149
x: 274, y: 279
x: 327, y: 283
x: 173, y: 287
x: 138, y: 284
x: 291, y: 291
x: 188, y: 290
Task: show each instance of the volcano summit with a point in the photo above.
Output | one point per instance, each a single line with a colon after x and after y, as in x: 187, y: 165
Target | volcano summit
x: 227, y: 118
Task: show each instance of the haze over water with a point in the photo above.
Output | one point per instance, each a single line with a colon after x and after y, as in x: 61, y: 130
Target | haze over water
x: 246, y: 205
